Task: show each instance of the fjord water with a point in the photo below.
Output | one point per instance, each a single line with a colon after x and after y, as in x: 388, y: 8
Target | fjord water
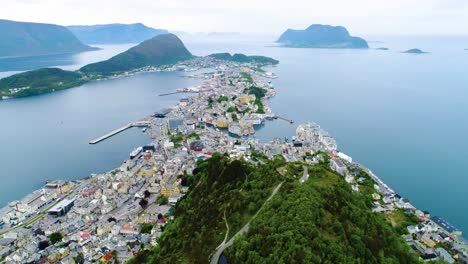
x: 401, y: 115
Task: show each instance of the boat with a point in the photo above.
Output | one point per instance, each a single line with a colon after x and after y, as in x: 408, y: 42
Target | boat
x: 136, y: 152
x: 144, y: 129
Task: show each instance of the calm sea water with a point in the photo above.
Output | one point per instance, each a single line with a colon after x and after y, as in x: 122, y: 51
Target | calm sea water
x: 402, y: 115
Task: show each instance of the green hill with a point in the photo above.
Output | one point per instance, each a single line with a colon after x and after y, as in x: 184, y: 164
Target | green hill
x: 242, y: 58
x: 32, y: 39
x: 39, y: 82
x: 161, y: 50
x: 320, y: 221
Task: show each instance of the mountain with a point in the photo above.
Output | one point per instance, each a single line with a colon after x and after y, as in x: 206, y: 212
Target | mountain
x: 322, y: 36
x: 115, y: 33
x: 161, y: 50
x: 242, y: 58
x: 32, y: 39
x: 282, y: 220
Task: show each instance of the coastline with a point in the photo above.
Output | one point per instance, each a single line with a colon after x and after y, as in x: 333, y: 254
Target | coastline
x: 156, y: 133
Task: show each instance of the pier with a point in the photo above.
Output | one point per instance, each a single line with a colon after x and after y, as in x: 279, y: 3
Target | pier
x: 290, y: 121
x: 177, y: 92
x: 118, y: 130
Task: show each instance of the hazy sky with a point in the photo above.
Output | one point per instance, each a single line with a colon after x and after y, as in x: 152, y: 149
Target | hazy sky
x: 366, y: 17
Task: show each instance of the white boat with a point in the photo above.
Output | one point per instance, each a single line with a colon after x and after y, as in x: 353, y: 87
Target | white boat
x: 135, y: 152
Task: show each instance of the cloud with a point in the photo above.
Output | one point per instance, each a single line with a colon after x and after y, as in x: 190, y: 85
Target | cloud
x: 359, y: 16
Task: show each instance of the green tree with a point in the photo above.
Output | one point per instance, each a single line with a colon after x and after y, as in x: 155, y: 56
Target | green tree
x: 55, y: 237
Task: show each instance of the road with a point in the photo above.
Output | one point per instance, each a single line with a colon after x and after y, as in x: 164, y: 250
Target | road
x: 245, y: 228
x: 305, y: 175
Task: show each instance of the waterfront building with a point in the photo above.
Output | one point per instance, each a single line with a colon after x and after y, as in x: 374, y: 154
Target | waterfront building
x: 446, y: 226
x: 338, y: 166
x: 62, y: 207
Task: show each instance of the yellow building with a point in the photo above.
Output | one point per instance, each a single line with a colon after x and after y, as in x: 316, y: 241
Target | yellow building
x: 222, y: 123
x: 145, y: 172
x: 245, y: 99
x: 428, y: 241
x: 169, y: 190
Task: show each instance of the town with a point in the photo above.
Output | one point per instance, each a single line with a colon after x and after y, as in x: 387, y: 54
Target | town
x: 110, y: 217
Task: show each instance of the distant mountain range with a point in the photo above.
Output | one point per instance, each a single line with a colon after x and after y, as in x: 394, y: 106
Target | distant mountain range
x: 115, y: 33
x: 160, y: 50
x: 31, y: 39
x: 321, y: 36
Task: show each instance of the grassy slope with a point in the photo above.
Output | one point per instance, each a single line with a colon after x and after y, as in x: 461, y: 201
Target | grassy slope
x: 161, y: 50
x: 321, y: 221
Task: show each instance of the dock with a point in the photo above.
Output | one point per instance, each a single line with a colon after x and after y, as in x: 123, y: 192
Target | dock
x: 119, y: 130
x: 290, y: 121
x: 177, y: 92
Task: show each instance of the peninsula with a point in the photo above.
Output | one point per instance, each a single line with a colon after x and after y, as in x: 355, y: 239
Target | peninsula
x: 115, y: 33
x: 19, y: 39
x: 159, y: 53
x: 322, y: 36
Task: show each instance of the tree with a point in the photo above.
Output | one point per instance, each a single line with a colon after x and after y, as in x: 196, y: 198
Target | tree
x: 43, y: 244
x: 143, y: 203
x: 55, y: 237
x: 162, y: 200
x: 147, y: 194
x: 183, y: 181
x: 234, y: 117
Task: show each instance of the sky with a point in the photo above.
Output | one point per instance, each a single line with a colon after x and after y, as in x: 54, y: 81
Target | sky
x: 364, y: 17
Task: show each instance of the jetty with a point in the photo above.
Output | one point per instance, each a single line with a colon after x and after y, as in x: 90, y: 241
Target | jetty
x: 290, y: 121
x: 177, y: 92
x: 119, y: 130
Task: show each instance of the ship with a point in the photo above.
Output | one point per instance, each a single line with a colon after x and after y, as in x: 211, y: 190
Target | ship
x: 136, y: 152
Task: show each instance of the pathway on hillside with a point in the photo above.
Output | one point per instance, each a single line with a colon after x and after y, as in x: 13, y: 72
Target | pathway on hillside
x: 245, y: 228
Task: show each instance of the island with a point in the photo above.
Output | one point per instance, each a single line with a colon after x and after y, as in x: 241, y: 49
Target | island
x: 242, y: 58
x: 321, y: 36
x: 115, y: 33
x: 19, y: 39
x: 382, y: 48
x: 415, y: 51
x: 162, y: 52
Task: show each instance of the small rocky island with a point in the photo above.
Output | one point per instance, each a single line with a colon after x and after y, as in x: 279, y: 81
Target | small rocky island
x: 415, y: 51
x: 322, y: 36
